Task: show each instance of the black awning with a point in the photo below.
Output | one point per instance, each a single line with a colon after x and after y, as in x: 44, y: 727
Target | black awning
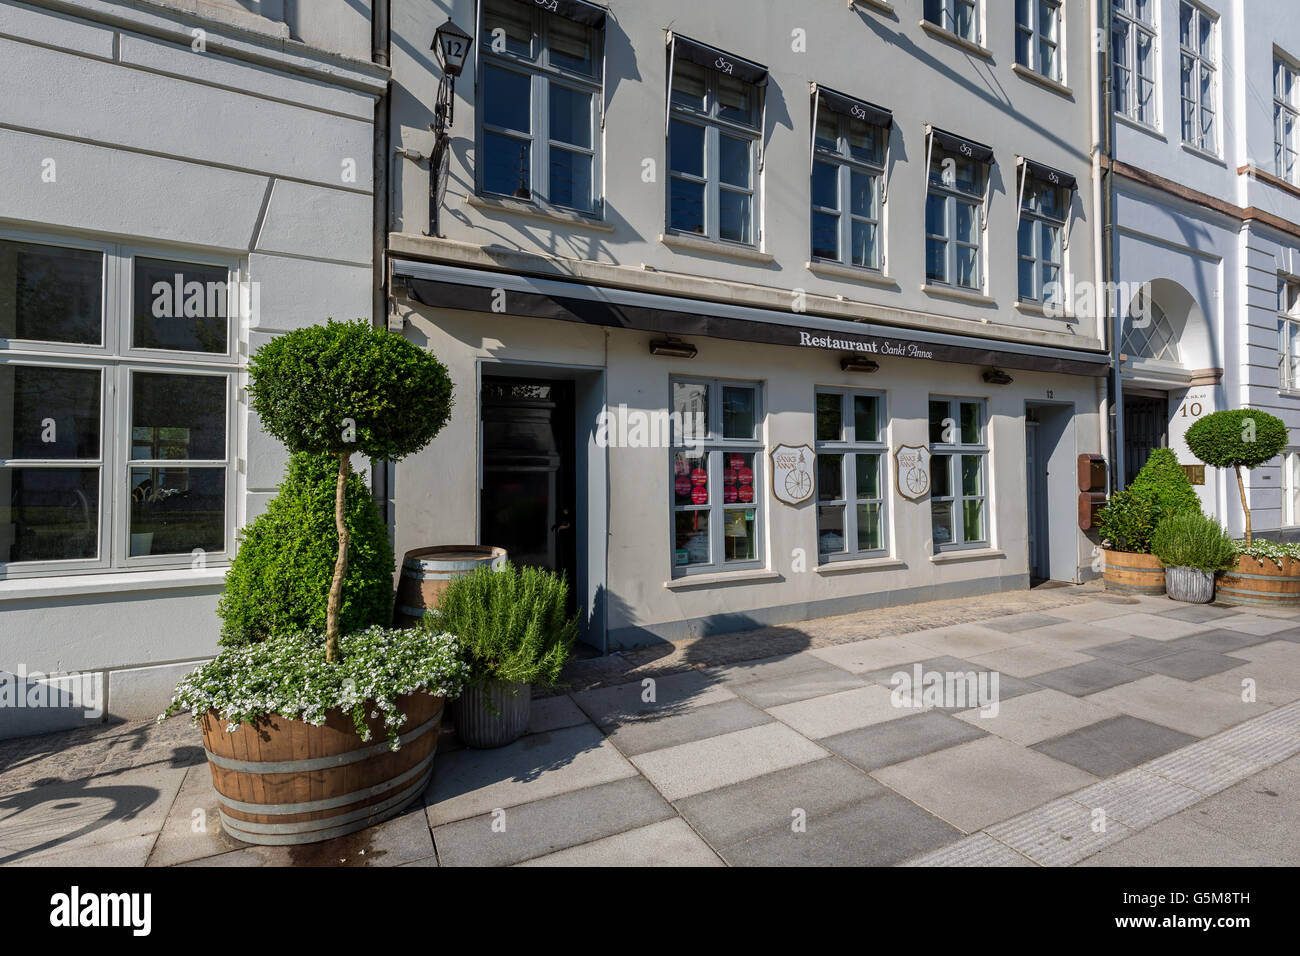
x: 715, y: 59
x: 1053, y: 177
x: 859, y: 109
x: 578, y: 11
x: 963, y: 147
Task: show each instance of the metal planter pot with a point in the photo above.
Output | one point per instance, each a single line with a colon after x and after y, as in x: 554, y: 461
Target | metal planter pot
x: 1191, y: 585
x: 493, y: 714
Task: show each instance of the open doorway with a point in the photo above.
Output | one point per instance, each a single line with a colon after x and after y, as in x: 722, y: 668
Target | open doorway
x: 1051, y: 487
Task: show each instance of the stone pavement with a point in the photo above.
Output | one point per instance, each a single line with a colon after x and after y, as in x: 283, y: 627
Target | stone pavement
x: 1122, y: 734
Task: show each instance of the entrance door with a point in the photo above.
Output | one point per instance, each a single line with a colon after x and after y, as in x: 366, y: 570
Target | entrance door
x: 1051, y: 493
x: 527, y: 502
x: 1035, y: 486
x: 1146, y: 422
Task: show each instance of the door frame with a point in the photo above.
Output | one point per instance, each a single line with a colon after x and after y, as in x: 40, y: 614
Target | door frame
x: 1060, y: 505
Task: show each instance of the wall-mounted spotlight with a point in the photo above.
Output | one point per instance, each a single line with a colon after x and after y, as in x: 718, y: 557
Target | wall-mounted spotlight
x: 673, y: 348
x: 995, y: 376
x: 855, y: 363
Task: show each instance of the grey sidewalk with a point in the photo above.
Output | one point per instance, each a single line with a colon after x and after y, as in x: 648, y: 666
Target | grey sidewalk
x: 1127, y: 710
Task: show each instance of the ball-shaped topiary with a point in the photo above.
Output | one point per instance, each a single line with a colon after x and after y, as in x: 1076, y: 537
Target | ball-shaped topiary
x: 347, y: 388
x: 279, y: 581
x: 1238, y: 438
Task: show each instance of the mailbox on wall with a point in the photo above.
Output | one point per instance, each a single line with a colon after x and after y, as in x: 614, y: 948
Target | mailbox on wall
x: 1092, y: 489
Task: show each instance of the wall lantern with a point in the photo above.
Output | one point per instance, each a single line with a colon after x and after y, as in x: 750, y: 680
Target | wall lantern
x: 995, y: 376
x: 674, y: 348
x: 855, y: 363
x: 452, y: 46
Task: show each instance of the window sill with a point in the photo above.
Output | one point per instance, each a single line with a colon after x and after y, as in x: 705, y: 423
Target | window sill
x: 714, y: 247
x: 961, y: 295
x: 865, y: 564
x: 881, y: 5
x: 1046, y: 82
x: 1140, y: 126
x: 1038, y: 309
x: 688, y: 581
x: 970, y: 46
x: 109, y: 582
x: 1204, y: 154
x: 532, y: 210
x: 973, y: 554
x: 834, y: 270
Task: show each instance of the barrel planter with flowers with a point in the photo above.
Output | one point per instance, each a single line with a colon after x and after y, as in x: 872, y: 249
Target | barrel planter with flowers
x: 1261, y: 582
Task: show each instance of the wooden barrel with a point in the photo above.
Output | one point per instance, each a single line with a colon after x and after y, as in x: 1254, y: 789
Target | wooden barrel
x: 1131, y: 573
x: 1261, y: 583
x: 426, y: 573
x: 286, y: 782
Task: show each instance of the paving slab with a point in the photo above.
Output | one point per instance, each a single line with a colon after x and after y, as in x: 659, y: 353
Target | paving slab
x: 1190, y: 665
x: 192, y: 829
x: 881, y: 745
x: 1058, y: 833
x: 1113, y: 745
x: 126, y: 852
x: 1089, y: 678
x: 1014, y: 623
x: 1026, y: 660
x: 1089, y: 611
x: 1180, y: 841
x: 959, y: 690
x: 1270, y: 685
x: 1271, y: 653
x: 1038, y: 716
x: 1199, y: 613
x: 1133, y: 649
x: 862, y: 656
x: 964, y: 640
x: 977, y: 849
x: 1291, y: 634
x: 692, y: 768
x: 734, y: 814
x: 1177, y: 704
x: 1137, y: 798
x: 982, y: 782
x: 695, y: 723
x: 547, y: 826
x: 670, y: 843
x: 1070, y: 636
x: 767, y: 668
x: 836, y: 713
x: 1254, y: 624
x: 1220, y: 641
x: 554, y: 713
x: 813, y: 682
x: 879, y: 831
x: 663, y: 695
x: 1156, y: 626
x: 470, y: 782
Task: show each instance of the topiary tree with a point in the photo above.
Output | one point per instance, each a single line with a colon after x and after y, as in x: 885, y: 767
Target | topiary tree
x: 1237, y: 439
x: 346, y: 388
x: 1160, y: 490
x: 278, y: 584
x: 1168, y: 484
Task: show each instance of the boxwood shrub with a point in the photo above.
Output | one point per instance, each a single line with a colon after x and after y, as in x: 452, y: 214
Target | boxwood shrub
x: 1160, y: 490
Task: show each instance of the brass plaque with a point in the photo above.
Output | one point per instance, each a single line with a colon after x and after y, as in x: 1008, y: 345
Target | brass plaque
x: 1195, y: 473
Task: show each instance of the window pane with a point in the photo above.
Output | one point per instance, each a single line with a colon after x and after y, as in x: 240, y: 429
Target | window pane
x: 972, y: 481
x: 830, y: 425
x: 734, y: 216
x: 940, y: 423
x: 733, y: 161
x: 967, y: 223
x: 514, y: 22
x: 691, y: 408
x: 869, y: 536
x: 739, y: 411
x: 970, y: 423
x: 828, y: 129
x: 941, y: 476
x: 507, y: 167
x: 1025, y: 281
x: 866, y: 142
x: 936, y: 215
x: 826, y: 185
x: 972, y: 520
x: 739, y: 534
x: 181, y: 306
x: 687, y: 148
x: 941, y: 521
x: 866, y: 418
x: 736, y: 100
x: 50, y: 294
x: 967, y: 267
x: 571, y: 179
x: 862, y: 195
x: 507, y: 99
x: 570, y: 116
x: 1024, y: 44
x: 690, y: 479
x: 49, y: 514
x: 830, y: 529
x: 868, y: 476
x: 688, y: 84
x: 825, y: 236
x: 865, y: 248
x: 830, y: 477
x: 691, y: 538
x: 175, y: 510
x: 738, y: 478
x: 936, y: 260
x: 570, y: 45
x: 55, y: 412
x: 686, y: 210
x: 178, y: 417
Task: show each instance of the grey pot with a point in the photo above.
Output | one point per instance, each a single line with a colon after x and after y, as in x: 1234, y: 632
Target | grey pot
x: 492, y: 714
x: 1190, y: 584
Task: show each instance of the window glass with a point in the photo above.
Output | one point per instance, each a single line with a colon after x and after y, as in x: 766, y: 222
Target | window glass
x: 739, y: 411
x: 180, y: 306
x: 571, y: 185
x: 177, y: 510
x: 178, y: 417
x: 571, y: 45
x: 570, y: 116
x: 866, y: 418
x: 510, y: 23
x: 50, y: 293
x: 689, y: 84
x: 56, y: 412
x: 687, y: 146
x: 49, y: 514
x: 734, y: 215
x: 830, y: 426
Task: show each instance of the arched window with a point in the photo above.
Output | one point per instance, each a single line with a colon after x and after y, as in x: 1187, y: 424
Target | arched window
x: 1148, y: 333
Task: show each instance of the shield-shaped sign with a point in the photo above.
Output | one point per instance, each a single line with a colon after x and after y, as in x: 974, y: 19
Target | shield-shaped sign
x: 792, y: 473
x: 912, y: 471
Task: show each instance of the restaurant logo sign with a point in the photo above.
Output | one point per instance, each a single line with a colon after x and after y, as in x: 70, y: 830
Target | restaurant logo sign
x: 912, y: 471
x: 792, y: 475
x: 866, y: 346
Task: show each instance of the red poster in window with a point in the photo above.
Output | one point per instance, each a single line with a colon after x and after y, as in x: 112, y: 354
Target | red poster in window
x: 729, y: 494
x: 737, y: 461
x: 700, y: 495
x: 746, y: 493
x: 747, y: 477
x: 699, y: 476
x: 682, y: 485
x: 729, y: 476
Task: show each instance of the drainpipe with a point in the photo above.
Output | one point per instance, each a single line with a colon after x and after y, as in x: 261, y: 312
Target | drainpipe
x: 380, y: 23
x: 1102, y: 386
x: 1113, y: 318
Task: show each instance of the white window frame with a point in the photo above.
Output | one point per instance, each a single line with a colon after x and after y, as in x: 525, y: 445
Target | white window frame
x: 1124, y: 15
x: 1039, y: 219
x: 1200, y: 63
x: 1291, y: 487
x: 849, y: 447
x: 1288, y: 328
x: 1040, y: 33
x: 947, y: 11
x: 952, y: 195
x: 714, y: 447
x: 956, y: 450
x: 846, y: 165
x: 1286, y: 113
x: 542, y: 75
x: 116, y: 359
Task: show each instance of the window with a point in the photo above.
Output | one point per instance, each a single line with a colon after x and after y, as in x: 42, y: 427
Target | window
x: 717, y: 475
x: 1148, y: 333
x: 1291, y: 485
x: 847, y: 182
x: 1038, y: 37
x: 957, y: 16
x: 1288, y: 329
x: 959, y: 468
x: 851, y: 455
x: 1286, y: 119
x: 1196, y: 30
x: 954, y: 214
x: 540, y: 106
x: 116, y: 396
x: 715, y: 118
x: 1044, y: 208
x: 1133, y: 56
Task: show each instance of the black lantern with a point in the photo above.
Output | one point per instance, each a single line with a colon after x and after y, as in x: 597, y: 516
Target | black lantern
x: 452, y: 45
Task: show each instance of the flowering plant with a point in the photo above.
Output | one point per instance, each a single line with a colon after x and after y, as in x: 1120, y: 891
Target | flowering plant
x: 1261, y: 548
x: 289, y: 676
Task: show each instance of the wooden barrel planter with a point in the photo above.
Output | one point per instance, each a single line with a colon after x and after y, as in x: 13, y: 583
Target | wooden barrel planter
x: 286, y: 782
x: 426, y: 572
x: 1256, y: 583
x: 1131, y: 573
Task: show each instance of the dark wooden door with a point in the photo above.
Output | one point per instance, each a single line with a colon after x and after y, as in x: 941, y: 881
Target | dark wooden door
x: 1146, y: 424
